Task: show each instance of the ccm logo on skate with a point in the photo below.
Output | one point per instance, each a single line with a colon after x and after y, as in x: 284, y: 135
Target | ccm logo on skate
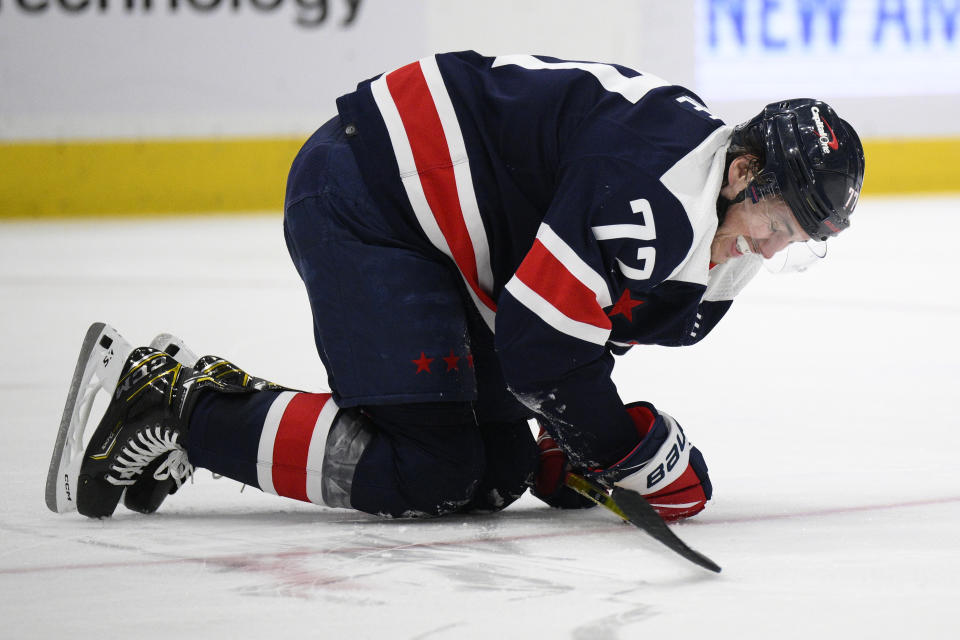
x: 137, y: 376
x: 66, y: 486
x: 673, y: 457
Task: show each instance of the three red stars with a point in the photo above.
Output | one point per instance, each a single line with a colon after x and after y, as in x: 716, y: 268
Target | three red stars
x: 624, y: 306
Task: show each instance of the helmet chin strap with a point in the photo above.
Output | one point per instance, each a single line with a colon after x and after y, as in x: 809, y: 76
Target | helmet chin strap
x: 724, y: 203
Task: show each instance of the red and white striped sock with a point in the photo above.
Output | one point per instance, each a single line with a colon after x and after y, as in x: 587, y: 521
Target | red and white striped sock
x: 292, y: 442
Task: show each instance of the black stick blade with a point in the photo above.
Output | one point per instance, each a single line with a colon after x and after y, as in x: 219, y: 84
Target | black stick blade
x: 640, y: 514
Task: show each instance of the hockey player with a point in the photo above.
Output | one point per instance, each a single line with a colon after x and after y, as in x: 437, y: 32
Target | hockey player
x: 478, y: 237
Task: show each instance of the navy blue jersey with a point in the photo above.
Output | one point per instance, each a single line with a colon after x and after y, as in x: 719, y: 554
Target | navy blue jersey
x: 577, y: 201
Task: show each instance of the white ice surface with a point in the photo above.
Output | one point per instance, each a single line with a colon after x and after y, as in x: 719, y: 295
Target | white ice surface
x: 825, y: 404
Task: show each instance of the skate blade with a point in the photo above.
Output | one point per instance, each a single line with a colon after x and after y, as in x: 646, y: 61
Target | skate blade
x: 99, y: 364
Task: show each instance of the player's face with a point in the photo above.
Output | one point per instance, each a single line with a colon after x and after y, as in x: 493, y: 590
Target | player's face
x: 765, y: 228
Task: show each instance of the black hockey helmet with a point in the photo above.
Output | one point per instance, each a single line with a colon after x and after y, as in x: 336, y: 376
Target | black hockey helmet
x: 811, y: 158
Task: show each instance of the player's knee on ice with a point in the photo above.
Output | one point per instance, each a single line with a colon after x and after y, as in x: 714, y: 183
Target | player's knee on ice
x: 433, y: 459
x: 423, y: 459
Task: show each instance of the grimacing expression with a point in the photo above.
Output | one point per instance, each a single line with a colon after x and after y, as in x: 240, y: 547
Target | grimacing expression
x: 766, y: 226
x: 763, y: 227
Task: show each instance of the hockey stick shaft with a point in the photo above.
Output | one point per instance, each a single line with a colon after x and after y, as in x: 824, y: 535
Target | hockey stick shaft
x: 633, y: 508
x: 594, y: 493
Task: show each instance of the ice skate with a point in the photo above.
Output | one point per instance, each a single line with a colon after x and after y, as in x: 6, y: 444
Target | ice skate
x: 143, y: 430
x: 150, y: 489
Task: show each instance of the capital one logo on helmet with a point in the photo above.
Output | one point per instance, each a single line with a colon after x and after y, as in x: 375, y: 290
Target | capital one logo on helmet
x: 826, y: 142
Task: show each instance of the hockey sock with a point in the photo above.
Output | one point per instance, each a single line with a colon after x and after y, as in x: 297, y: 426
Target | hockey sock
x: 273, y: 440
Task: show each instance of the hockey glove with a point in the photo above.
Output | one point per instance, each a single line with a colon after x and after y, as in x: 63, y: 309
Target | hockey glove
x: 552, y: 468
x: 664, y: 468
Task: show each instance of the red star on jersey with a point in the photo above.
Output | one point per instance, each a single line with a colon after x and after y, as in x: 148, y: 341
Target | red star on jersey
x: 624, y: 306
x: 452, y: 361
x: 423, y: 363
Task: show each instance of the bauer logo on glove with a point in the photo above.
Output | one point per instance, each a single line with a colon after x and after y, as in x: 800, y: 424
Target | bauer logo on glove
x: 665, y: 467
x: 676, y: 458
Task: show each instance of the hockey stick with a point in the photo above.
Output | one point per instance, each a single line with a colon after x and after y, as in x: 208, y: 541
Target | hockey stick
x: 633, y: 508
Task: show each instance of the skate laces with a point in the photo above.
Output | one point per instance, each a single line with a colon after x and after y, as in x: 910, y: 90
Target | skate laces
x: 176, y: 466
x: 147, y: 446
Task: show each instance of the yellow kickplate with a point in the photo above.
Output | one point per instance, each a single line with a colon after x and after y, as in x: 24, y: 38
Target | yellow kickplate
x: 912, y: 166
x: 63, y: 179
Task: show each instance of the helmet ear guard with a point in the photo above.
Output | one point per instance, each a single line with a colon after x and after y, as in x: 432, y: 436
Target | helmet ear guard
x: 764, y: 185
x: 811, y: 158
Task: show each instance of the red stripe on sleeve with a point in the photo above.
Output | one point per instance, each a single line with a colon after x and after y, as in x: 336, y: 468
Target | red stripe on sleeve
x: 431, y: 154
x: 292, y: 444
x: 550, y: 279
